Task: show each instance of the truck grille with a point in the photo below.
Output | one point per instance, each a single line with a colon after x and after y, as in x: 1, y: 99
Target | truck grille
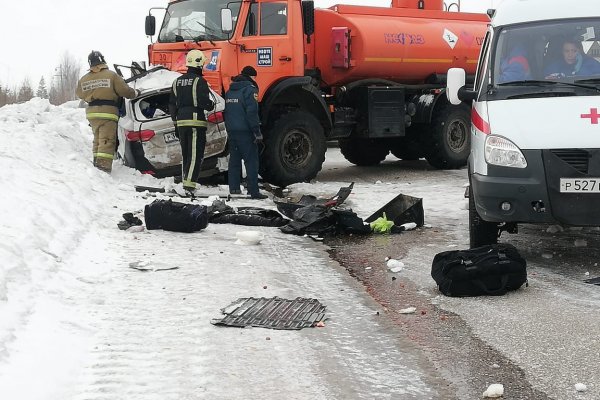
x: 576, y: 158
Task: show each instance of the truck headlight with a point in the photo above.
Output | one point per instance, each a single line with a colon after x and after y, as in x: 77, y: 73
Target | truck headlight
x: 504, y: 153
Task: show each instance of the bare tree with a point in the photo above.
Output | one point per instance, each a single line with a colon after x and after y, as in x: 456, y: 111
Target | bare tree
x: 25, y: 92
x: 42, y: 92
x: 65, y: 80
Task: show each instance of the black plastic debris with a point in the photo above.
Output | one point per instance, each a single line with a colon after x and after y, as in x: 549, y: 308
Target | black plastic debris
x: 287, y: 207
x: 273, y: 313
x: 593, y: 281
x: 401, y: 209
x: 128, y: 221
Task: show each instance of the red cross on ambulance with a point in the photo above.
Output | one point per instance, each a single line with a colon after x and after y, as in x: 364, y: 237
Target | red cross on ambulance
x: 593, y: 116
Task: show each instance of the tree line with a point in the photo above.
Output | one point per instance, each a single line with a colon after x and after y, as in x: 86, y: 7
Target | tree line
x: 61, y: 89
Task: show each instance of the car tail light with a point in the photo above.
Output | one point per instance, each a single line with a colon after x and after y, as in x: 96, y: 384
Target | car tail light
x: 215, y: 118
x: 144, y: 136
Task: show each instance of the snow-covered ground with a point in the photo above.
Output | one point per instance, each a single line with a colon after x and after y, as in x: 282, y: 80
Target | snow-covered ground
x: 77, y: 322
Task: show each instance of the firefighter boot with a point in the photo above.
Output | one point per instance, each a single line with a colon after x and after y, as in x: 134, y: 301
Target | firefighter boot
x: 104, y: 164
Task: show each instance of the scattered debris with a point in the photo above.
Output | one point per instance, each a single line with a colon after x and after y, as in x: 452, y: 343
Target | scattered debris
x: 273, y: 313
x: 593, y: 281
x: 249, y: 237
x: 394, y: 265
x: 580, y: 387
x: 320, y: 324
x: 408, y: 310
x: 146, y: 266
x: 555, y: 229
x: 128, y: 221
x: 401, y: 209
x: 495, y: 390
x: 495, y: 366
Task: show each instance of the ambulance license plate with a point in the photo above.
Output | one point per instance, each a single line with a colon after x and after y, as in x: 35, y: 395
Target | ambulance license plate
x: 580, y: 185
x: 170, y: 137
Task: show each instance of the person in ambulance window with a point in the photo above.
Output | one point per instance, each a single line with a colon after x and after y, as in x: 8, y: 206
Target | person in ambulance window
x: 515, y: 66
x: 572, y: 63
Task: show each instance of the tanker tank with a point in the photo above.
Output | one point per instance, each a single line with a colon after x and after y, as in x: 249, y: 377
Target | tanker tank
x: 398, y: 44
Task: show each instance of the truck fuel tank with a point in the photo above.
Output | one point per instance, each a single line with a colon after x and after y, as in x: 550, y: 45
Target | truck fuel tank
x: 398, y: 44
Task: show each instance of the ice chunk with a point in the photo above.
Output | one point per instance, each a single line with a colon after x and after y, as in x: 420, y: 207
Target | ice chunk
x: 554, y: 229
x: 394, y: 265
x: 408, y: 310
x: 494, y: 390
x: 580, y: 387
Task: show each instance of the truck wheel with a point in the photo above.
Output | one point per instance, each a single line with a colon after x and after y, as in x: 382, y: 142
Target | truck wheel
x: 294, y: 149
x: 408, y: 150
x: 363, y: 152
x: 481, y: 232
x: 450, y: 137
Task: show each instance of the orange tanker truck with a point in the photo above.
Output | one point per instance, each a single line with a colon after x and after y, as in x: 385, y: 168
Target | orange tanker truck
x: 370, y: 77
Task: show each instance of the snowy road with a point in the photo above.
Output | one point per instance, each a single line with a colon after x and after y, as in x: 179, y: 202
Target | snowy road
x: 550, y: 330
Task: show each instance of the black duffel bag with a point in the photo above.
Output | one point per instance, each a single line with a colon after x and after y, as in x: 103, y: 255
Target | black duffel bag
x: 487, y: 270
x: 174, y: 216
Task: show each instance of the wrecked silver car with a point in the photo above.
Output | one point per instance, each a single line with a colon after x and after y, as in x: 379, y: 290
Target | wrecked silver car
x: 146, y: 133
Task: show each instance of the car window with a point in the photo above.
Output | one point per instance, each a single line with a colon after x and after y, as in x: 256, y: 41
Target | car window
x: 153, y: 107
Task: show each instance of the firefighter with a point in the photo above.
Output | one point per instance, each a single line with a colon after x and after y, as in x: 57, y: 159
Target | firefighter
x: 243, y: 131
x: 190, y: 97
x: 102, y: 89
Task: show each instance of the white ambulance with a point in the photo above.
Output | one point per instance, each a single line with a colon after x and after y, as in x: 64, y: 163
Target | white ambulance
x: 535, y: 142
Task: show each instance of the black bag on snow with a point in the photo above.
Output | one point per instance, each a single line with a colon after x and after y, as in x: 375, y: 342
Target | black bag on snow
x: 487, y: 270
x: 174, y: 216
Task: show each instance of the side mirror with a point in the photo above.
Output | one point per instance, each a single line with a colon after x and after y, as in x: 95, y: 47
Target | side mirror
x: 150, y: 25
x: 455, y: 87
x: 308, y: 17
x: 226, y: 21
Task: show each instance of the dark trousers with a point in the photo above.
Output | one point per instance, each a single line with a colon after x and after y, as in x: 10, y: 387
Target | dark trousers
x: 192, y: 140
x: 242, y: 147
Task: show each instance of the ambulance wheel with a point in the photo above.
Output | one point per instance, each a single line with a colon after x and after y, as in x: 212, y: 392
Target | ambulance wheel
x: 294, y: 149
x: 449, y: 142
x: 363, y: 152
x: 481, y: 232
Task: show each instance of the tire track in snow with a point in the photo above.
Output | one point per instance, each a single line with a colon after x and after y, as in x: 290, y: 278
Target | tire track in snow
x: 155, y: 340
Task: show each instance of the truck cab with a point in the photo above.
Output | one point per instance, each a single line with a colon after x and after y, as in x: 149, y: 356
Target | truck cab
x: 535, y: 148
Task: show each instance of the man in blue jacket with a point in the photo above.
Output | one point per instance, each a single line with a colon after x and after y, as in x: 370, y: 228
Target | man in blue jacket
x: 572, y: 63
x: 243, y: 131
x: 515, y: 67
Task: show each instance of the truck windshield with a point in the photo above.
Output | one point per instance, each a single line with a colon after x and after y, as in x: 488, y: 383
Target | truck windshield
x: 564, y: 51
x: 195, y: 20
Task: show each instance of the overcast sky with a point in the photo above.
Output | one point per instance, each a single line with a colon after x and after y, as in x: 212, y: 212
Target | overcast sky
x: 35, y: 33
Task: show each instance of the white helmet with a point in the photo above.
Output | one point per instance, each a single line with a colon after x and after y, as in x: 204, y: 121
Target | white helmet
x: 195, y: 58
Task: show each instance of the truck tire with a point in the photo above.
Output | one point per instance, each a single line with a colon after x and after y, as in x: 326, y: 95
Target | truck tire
x: 408, y: 150
x: 449, y: 141
x: 363, y: 152
x: 481, y: 232
x: 294, y: 149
